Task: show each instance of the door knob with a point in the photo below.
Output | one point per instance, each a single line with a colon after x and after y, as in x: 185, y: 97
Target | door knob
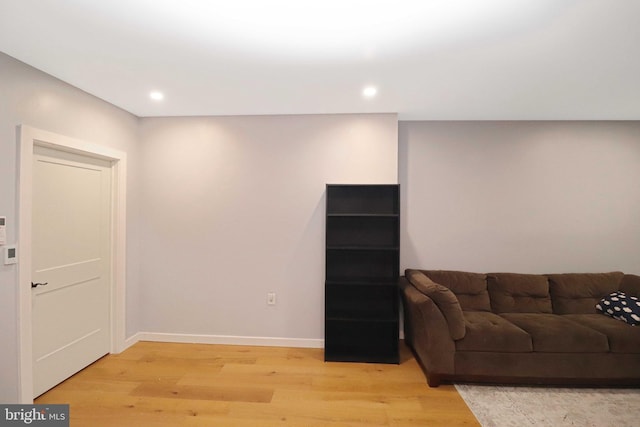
x: 35, y: 285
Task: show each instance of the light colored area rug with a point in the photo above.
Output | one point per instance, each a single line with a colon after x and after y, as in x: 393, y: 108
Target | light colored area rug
x: 497, y: 406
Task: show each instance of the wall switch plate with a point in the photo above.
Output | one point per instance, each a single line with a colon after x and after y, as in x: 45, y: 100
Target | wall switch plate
x: 271, y: 298
x: 10, y: 255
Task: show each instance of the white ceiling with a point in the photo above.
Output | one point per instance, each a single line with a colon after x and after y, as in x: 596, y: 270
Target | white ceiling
x: 430, y: 59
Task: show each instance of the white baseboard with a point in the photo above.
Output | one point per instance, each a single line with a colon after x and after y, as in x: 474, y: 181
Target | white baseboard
x: 131, y: 341
x: 224, y: 339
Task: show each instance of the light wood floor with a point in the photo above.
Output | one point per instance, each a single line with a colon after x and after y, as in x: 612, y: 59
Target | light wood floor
x: 163, y: 384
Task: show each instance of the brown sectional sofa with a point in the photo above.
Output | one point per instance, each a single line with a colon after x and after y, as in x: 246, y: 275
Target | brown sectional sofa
x: 519, y: 328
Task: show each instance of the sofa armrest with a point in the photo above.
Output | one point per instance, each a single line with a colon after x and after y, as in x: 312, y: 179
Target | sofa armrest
x: 427, y: 332
x: 630, y: 285
x: 444, y: 298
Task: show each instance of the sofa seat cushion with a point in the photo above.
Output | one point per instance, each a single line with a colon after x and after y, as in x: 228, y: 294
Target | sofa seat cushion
x: 489, y: 332
x: 519, y: 293
x: 551, y: 333
x: 470, y: 288
x: 622, y: 338
x: 578, y: 293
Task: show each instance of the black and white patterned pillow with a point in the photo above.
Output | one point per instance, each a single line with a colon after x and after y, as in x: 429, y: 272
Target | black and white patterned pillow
x: 622, y: 307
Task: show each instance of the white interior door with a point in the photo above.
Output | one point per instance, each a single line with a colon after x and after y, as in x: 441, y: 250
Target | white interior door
x: 71, y: 254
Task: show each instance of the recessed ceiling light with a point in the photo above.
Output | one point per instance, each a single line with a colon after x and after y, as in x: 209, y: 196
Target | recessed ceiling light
x: 156, y: 96
x: 370, y: 91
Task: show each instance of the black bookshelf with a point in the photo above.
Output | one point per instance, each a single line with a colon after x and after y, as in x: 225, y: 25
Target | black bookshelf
x: 362, y: 269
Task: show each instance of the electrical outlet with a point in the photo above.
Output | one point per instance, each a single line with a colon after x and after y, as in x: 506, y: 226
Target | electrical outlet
x: 271, y: 298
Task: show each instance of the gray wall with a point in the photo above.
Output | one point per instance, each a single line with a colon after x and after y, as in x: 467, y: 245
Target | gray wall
x: 234, y: 208
x: 28, y: 96
x: 521, y: 196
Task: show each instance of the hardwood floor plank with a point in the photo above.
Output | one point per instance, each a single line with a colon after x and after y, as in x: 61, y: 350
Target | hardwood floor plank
x: 272, y: 379
x: 313, y: 413
x: 115, y: 409
x: 169, y: 384
x: 116, y: 369
x: 397, y: 402
x: 213, y: 392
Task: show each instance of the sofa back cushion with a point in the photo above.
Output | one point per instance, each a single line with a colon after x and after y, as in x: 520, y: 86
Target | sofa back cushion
x: 443, y: 298
x: 630, y: 285
x: 519, y: 293
x: 470, y: 288
x: 578, y: 293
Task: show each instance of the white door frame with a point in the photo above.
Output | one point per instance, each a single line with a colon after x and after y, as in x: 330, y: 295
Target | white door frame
x: 28, y: 138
